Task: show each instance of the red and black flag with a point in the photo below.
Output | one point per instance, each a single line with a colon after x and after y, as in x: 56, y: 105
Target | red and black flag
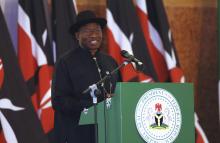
x: 35, y: 57
x: 124, y: 33
x: 2, y: 138
x: 18, y: 120
x: 158, y: 37
x: 63, y: 16
x: 200, y: 134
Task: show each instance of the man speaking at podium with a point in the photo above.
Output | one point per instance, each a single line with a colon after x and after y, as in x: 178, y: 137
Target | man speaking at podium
x: 76, y: 71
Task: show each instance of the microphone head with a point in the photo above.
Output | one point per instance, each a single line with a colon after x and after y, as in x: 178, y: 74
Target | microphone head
x: 125, y: 54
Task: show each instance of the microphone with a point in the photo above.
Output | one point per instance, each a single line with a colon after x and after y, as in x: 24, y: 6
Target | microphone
x: 130, y: 57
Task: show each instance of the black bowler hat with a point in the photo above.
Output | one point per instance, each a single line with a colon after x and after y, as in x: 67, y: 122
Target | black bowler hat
x: 84, y: 18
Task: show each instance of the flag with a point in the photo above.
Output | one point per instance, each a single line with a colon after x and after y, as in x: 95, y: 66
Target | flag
x: 17, y: 116
x: 36, y: 60
x: 124, y: 33
x: 153, y: 41
x: 63, y: 15
x: 200, y: 135
x: 2, y: 138
x: 158, y: 36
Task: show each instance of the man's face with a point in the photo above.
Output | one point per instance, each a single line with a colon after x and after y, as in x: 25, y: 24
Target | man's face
x: 90, y: 36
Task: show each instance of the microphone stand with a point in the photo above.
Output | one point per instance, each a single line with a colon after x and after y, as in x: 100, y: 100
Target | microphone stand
x: 107, y: 76
x: 95, y: 91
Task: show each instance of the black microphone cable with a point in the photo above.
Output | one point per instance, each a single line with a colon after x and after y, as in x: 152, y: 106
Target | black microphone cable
x: 105, y: 93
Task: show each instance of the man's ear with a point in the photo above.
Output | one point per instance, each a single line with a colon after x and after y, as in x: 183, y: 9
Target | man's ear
x: 77, y: 35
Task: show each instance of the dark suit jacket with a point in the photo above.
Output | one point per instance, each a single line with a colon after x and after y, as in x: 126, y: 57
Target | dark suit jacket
x: 74, y: 72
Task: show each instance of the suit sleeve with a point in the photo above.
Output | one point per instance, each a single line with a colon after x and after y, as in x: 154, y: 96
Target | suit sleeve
x: 63, y: 96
